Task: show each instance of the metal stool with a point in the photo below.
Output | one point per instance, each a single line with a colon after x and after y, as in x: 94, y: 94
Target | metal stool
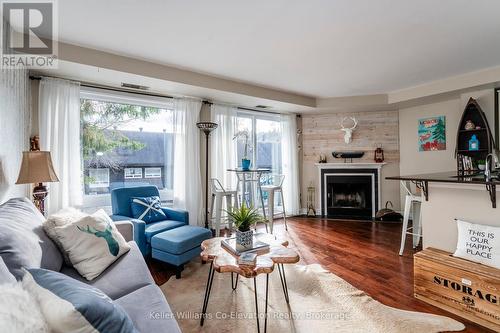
x: 275, y: 185
x: 250, y: 182
x: 218, y: 195
x: 412, y: 200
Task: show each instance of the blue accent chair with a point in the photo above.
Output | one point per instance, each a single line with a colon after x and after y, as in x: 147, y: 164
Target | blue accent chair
x: 144, y: 232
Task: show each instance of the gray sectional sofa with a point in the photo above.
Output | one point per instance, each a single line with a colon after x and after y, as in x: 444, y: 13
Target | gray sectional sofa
x: 128, y: 282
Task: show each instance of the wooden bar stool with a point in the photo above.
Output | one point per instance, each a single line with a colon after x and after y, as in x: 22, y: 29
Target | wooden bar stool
x: 412, y: 203
x: 275, y: 184
x: 219, y: 193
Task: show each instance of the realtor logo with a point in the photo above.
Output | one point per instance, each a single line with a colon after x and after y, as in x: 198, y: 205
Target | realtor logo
x: 29, y: 34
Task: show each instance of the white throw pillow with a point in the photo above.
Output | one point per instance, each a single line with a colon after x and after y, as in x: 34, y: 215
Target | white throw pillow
x: 20, y: 311
x: 59, y: 219
x: 479, y: 243
x: 92, y: 243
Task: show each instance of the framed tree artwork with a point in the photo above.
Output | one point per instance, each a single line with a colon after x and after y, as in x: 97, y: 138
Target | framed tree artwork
x: 432, y: 133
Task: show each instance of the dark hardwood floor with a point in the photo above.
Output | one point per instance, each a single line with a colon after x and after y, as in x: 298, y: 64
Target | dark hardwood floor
x: 363, y: 253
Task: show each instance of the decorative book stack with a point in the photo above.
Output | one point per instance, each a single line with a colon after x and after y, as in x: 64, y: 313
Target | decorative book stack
x: 247, y: 259
x: 236, y: 249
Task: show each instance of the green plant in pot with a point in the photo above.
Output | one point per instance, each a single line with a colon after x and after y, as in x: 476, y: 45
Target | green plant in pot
x: 244, y: 218
x: 481, y: 165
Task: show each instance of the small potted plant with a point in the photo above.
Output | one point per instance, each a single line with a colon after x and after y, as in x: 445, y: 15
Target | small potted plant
x: 244, y: 217
x: 481, y: 165
x: 245, y: 162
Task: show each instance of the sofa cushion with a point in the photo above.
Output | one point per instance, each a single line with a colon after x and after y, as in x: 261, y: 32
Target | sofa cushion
x: 125, y: 275
x: 72, y: 306
x: 149, y: 310
x: 5, y: 275
x: 180, y: 240
x: 23, y: 243
x: 157, y: 227
x: 147, y: 209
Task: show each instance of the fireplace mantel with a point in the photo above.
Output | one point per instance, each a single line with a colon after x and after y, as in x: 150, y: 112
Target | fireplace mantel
x: 325, y: 169
x: 350, y: 165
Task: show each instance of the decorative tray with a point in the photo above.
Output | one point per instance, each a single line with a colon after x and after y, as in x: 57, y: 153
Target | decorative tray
x: 348, y: 154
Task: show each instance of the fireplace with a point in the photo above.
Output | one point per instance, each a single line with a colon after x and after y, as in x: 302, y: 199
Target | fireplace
x: 350, y: 190
x: 350, y: 195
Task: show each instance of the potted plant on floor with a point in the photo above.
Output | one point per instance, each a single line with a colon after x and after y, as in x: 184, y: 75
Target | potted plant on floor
x: 244, y: 217
x: 245, y: 162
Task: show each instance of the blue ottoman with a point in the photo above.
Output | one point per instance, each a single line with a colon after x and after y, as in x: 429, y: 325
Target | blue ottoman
x: 179, y: 245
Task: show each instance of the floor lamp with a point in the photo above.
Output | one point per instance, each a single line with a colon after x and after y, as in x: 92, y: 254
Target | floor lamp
x: 206, y: 127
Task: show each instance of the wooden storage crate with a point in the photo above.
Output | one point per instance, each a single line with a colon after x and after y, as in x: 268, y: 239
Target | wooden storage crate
x: 460, y: 286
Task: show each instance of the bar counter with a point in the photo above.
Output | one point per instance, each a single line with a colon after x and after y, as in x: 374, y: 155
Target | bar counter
x: 450, y: 196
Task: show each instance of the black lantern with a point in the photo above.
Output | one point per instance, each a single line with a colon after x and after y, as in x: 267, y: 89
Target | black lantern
x: 379, y: 154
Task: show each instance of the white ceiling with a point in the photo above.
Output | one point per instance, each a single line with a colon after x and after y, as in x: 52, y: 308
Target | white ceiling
x: 322, y: 48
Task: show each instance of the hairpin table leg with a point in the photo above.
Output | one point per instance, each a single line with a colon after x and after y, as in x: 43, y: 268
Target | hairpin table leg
x: 207, y: 292
x: 233, y: 284
x: 281, y: 270
x: 257, y: 304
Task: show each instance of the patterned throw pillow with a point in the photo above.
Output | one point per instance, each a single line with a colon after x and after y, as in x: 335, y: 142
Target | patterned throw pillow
x: 92, y: 243
x: 59, y: 219
x: 70, y: 306
x: 147, y: 209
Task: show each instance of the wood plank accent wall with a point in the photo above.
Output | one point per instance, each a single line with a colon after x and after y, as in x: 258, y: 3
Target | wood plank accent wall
x: 321, y: 134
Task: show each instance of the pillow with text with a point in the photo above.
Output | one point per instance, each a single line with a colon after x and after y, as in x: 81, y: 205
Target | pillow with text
x: 479, y: 243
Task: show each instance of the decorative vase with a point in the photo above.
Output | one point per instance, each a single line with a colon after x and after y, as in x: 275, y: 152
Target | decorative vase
x: 473, y: 143
x: 245, y: 164
x: 244, y: 238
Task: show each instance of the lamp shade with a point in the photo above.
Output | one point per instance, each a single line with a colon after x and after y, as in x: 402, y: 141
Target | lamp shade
x: 36, y: 168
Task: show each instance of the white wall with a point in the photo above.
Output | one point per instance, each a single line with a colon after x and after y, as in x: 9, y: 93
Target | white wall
x: 412, y: 161
x: 15, y: 130
x: 448, y: 202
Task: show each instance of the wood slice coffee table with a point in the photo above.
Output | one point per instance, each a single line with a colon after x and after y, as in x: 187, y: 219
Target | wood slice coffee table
x: 222, y: 261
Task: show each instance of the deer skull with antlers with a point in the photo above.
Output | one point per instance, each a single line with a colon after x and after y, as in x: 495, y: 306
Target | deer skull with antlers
x: 348, y: 131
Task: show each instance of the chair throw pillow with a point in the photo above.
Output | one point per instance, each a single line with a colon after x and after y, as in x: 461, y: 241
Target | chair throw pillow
x: 92, y: 243
x: 147, y: 209
x: 71, y: 306
x: 478, y: 243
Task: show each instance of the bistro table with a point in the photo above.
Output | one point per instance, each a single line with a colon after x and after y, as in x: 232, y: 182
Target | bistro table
x: 250, y: 180
x: 222, y: 261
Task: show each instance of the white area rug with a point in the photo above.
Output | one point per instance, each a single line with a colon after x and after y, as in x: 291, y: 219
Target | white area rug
x: 319, y: 302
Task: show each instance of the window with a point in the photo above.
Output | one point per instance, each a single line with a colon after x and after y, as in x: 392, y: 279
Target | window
x: 122, y: 135
x: 98, y: 178
x: 131, y: 173
x: 152, y: 173
x: 264, y: 139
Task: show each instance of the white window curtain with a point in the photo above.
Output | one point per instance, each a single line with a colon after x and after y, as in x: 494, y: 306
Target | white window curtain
x: 59, y: 129
x: 223, y: 147
x: 290, y: 161
x: 187, y: 179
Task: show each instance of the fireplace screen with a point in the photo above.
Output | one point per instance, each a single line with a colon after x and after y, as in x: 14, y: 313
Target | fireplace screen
x: 349, y: 196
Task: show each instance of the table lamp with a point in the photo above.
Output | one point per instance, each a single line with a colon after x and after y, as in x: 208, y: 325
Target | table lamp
x: 36, y: 167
